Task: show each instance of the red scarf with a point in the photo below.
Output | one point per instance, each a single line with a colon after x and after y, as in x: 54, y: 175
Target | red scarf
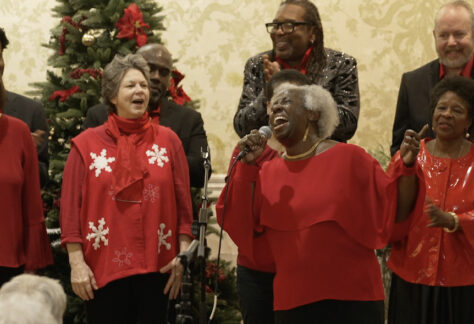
x: 155, y: 114
x: 129, y: 170
x: 302, y: 66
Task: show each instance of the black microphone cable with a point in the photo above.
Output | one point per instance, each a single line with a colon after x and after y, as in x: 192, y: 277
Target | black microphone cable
x: 216, y: 275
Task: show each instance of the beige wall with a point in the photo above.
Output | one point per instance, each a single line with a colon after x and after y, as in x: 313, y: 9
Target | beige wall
x: 213, y: 38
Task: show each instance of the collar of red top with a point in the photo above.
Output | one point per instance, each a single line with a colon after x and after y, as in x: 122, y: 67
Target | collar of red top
x: 302, y: 66
x: 466, y: 71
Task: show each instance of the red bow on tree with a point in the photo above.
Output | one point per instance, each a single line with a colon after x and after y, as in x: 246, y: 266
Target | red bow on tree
x: 131, y: 25
x: 177, y: 93
x: 64, y: 94
x: 77, y: 73
x: 62, y: 38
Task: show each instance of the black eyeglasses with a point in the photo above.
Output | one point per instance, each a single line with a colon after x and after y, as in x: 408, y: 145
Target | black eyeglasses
x: 287, y: 27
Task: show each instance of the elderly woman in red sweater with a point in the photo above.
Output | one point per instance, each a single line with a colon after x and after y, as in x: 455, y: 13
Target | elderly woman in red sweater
x: 24, y: 243
x: 125, y: 205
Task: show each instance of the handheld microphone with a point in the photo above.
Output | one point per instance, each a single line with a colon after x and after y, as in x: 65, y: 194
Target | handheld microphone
x: 265, y: 131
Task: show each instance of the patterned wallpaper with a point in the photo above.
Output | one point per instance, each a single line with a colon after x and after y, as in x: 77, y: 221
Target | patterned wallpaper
x: 212, y: 39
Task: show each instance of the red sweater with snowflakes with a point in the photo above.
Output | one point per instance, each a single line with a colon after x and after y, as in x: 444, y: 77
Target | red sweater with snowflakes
x: 120, y: 239
x: 23, y: 238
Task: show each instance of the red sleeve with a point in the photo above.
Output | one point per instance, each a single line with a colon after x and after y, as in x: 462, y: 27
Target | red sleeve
x: 37, y: 247
x: 397, y: 169
x: 182, y: 187
x: 466, y: 221
x: 237, y: 197
x: 71, y: 197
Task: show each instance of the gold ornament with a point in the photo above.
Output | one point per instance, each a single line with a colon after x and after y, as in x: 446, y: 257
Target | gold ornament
x: 88, y: 39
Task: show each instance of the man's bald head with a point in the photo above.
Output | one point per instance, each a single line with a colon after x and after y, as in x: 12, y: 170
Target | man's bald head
x: 160, y: 61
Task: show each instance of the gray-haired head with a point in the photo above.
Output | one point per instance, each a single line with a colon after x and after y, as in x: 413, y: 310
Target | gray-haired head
x: 114, y: 73
x: 458, y: 4
x: 46, y: 291
x: 317, y: 99
x: 19, y: 309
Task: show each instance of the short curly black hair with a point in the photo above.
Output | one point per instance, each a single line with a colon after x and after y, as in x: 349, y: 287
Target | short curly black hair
x: 462, y: 87
x: 285, y: 76
x: 3, y: 38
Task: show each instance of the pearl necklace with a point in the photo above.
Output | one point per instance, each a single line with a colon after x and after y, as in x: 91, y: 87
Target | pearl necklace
x: 304, y: 154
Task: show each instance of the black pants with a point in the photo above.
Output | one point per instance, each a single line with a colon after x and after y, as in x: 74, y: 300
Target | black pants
x: 135, y: 299
x: 255, y: 290
x: 334, y: 312
x: 420, y: 304
x: 7, y: 273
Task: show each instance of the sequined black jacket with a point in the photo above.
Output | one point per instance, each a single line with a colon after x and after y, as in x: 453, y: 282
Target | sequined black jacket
x: 338, y: 76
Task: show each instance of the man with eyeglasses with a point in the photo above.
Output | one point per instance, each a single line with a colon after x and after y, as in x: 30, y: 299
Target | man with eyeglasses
x: 298, y: 43
x: 453, y: 35
x: 187, y: 123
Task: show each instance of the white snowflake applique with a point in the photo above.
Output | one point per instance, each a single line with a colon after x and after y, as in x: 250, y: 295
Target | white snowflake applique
x: 98, y: 234
x: 162, y: 237
x: 101, y: 162
x: 151, y: 193
x: 122, y: 257
x: 158, y: 155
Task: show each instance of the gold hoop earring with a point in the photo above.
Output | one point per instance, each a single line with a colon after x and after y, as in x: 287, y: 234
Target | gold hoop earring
x: 305, y: 137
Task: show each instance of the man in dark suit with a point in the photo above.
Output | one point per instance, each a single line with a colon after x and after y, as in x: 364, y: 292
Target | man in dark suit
x: 453, y: 35
x: 185, y: 122
x: 31, y: 112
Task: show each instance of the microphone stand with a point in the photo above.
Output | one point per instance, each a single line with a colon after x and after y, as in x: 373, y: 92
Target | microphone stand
x: 184, y: 309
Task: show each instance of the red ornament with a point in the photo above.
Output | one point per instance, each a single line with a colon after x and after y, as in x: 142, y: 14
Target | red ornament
x: 64, y: 94
x: 177, y: 93
x: 131, y: 25
x: 211, y: 269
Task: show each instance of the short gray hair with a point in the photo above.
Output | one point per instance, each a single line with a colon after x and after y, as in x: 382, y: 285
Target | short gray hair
x: 114, y: 72
x: 18, y: 309
x: 46, y: 291
x: 317, y: 99
x: 458, y: 3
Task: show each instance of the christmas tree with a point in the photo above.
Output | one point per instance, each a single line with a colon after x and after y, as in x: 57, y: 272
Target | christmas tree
x: 89, y: 34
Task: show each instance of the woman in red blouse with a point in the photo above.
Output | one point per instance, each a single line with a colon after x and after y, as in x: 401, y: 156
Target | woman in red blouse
x: 24, y: 244
x: 433, y: 280
x: 125, y: 205
x: 323, y: 208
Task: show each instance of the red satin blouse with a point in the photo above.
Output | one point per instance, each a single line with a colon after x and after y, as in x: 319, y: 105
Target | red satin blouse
x: 431, y: 256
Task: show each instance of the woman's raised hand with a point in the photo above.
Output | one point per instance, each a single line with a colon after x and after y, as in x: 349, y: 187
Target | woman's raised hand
x: 411, y: 145
x: 269, y: 67
x: 256, y: 142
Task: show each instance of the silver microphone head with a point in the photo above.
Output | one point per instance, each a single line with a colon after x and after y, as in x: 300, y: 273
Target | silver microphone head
x: 265, y: 131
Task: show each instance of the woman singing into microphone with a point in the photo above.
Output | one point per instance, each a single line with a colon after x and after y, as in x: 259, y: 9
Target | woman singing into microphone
x: 323, y: 207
